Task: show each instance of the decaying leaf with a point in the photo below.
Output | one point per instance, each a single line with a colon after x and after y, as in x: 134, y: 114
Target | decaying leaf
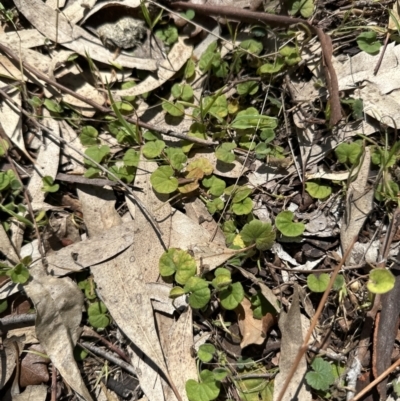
x: 292, y: 338
x: 34, y: 367
x: 359, y: 203
x: 58, y: 303
x: 254, y: 331
x: 90, y: 252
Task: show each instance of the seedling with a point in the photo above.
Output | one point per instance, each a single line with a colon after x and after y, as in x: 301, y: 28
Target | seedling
x: 285, y: 224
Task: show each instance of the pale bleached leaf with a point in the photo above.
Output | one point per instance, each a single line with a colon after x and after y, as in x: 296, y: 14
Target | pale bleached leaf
x: 58, y: 303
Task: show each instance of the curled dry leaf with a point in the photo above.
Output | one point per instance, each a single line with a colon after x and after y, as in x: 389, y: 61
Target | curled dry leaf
x: 34, y: 368
x: 254, y: 331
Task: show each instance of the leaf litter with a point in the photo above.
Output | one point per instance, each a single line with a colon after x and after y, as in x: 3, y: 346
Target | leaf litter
x: 258, y: 199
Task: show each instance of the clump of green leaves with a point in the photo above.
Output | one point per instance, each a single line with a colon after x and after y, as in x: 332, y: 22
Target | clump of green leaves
x: 368, y: 42
x: 182, y: 266
x: 18, y: 274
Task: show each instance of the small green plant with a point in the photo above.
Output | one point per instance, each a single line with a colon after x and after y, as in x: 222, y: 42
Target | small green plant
x: 206, y: 352
x: 97, y: 313
x: 18, y: 274
x: 49, y: 185
x: 317, y: 189
x: 168, y: 34
x: 208, y: 387
x: 304, y: 7
x: 367, y: 42
x: 318, y: 283
x: 285, y: 224
x: 321, y: 377
x: 380, y: 281
x: 349, y: 153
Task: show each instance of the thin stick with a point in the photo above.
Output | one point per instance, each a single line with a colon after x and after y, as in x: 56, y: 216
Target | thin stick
x: 387, y: 372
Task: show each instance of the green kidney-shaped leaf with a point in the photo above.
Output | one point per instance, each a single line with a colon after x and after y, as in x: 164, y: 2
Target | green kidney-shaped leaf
x: 97, y: 315
x: 321, y: 378
x: 163, y: 180
x: 215, y: 205
x: 97, y: 153
x: 368, y: 42
x: 48, y: 184
x: 153, y: 149
x: 220, y: 282
x: 380, y: 281
x: 241, y: 194
x: 243, y: 207
x: 247, y: 88
x: 179, y: 262
x: 176, y: 292
x: 305, y: 7
x: 200, y: 293
x: 176, y: 157
x: 19, y: 274
x: 338, y: 283
x: 285, y: 224
x: 206, y: 352
x: 348, y: 153
x: 89, y: 136
x: 224, y: 153
x: 272, y: 68
x: 318, y: 283
x: 232, y: 296
x: 318, y: 190
x: 205, y: 391
x: 259, y: 233
x: 215, y: 185
x: 124, y: 173
x: 174, y: 109
x: 131, y: 158
x: 253, y: 46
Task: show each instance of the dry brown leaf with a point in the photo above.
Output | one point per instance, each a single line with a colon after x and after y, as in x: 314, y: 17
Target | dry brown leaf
x: 74, y: 37
x: 32, y: 393
x: 58, y: 303
x: 9, y: 355
x: 253, y: 331
x: 92, y: 251
x: 292, y: 338
x: 359, y: 203
x: 34, y: 368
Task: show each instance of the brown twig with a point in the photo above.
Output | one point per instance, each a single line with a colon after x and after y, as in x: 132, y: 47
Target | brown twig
x: 248, y: 16
x: 99, y: 107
